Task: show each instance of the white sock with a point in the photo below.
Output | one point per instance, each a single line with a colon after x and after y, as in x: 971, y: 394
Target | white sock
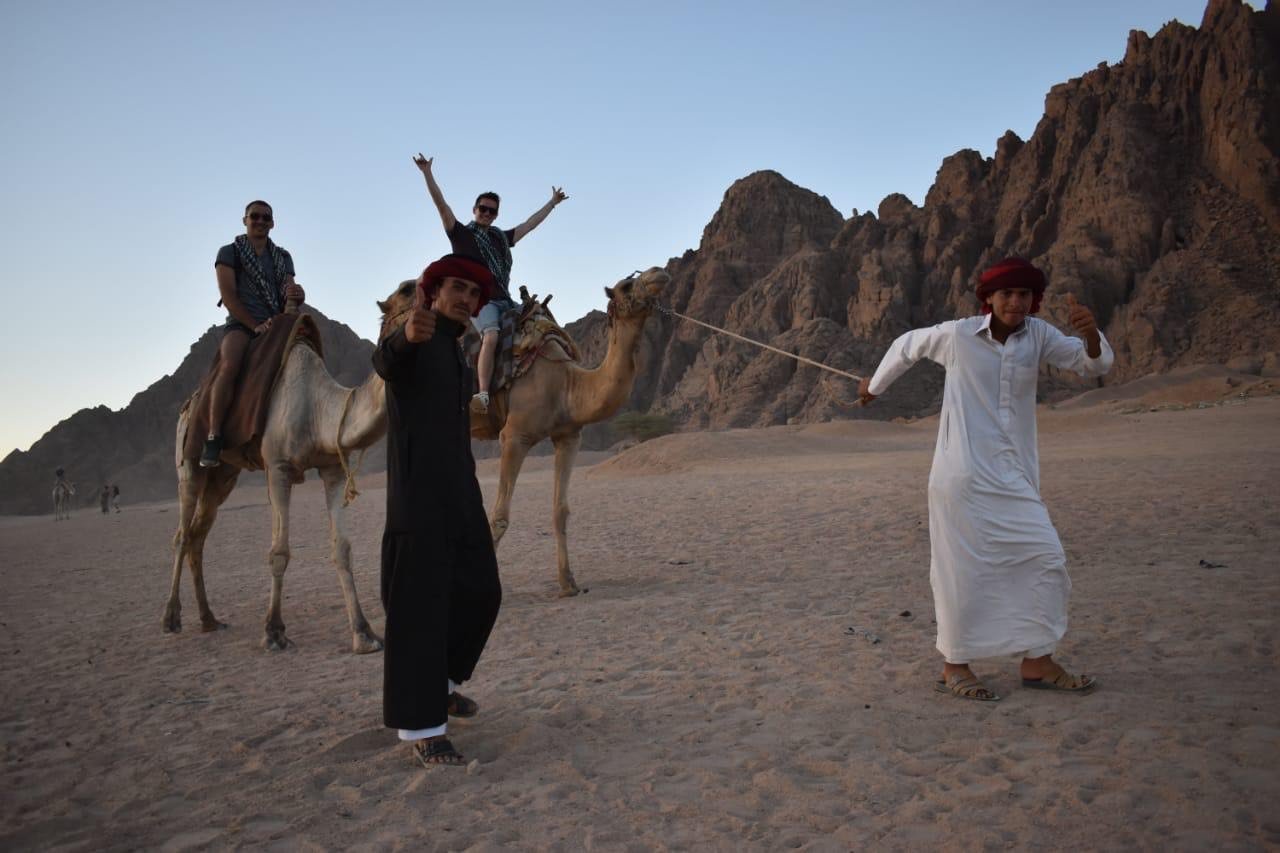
x: 419, y: 734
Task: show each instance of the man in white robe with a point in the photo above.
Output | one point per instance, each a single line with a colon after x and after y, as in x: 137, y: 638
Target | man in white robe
x: 997, y: 568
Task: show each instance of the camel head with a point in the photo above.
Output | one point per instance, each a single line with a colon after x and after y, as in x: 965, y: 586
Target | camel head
x: 396, y: 307
x: 636, y: 294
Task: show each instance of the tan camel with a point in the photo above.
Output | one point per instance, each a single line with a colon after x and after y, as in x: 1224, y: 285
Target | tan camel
x: 556, y: 399
x: 307, y: 412
x: 62, y: 494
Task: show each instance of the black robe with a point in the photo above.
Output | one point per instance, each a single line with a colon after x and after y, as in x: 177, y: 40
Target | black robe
x: 440, y: 586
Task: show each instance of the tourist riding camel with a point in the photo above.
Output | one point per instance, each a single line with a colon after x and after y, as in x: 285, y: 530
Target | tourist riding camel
x: 480, y: 241
x: 255, y: 280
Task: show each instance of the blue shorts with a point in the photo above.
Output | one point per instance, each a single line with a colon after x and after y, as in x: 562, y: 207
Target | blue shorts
x: 488, y: 317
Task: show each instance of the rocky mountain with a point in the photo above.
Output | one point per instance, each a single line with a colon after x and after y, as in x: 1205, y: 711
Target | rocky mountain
x: 1150, y: 190
x: 134, y: 446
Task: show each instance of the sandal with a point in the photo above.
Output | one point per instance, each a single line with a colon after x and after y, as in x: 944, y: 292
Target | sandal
x: 437, y: 750
x: 1064, y: 682
x: 461, y: 706
x: 967, y: 687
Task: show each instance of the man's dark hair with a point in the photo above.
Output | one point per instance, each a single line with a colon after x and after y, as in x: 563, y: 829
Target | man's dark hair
x: 497, y: 202
x: 258, y: 201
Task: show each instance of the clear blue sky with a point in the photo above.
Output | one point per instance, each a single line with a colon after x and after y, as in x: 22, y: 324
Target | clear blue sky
x: 134, y: 133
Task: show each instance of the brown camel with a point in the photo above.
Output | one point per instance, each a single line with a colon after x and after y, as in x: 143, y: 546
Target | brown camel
x: 309, y: 418
x: 556, y: 399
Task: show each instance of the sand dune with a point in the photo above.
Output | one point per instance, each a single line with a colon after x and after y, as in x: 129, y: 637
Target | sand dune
x: 706, y: 693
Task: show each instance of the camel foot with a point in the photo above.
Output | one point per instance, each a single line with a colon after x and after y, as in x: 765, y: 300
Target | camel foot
x: 211, y: 624
x: 364, y: 644
x: 275, y: 640
x: 569, y: 591
x: 172, y: 623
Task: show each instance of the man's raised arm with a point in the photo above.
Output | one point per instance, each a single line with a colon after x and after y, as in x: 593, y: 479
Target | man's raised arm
x: 446, y: 213
x: 557, y: 196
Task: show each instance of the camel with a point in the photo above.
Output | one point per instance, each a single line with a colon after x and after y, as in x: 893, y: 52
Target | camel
x: 312, y: 422
x: 62, y: 494
x: 556, y: 399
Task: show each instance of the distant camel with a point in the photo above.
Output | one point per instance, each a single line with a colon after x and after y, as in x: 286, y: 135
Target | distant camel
x: 62, y: 494
x: 310, y: 420
x: 556, y: 399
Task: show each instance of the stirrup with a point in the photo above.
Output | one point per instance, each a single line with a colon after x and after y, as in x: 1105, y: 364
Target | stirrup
x: 212, y: 451
x: 480, y: 403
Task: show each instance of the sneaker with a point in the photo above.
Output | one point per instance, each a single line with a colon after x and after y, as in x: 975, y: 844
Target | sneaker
x: 480, y: 403
x: 212, y: 450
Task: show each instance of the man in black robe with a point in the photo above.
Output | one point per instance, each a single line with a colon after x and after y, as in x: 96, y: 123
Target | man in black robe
x: 440, y: 587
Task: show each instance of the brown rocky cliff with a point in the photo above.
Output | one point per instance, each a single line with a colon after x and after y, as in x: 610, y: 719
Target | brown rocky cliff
x: 1150, y: 189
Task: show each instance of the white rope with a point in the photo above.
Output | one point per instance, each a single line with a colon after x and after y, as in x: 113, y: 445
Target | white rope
x: 809, y: 361
x: 350, y: 493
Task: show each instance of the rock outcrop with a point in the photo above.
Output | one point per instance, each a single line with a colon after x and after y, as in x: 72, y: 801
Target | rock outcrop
x: 1150, y: 189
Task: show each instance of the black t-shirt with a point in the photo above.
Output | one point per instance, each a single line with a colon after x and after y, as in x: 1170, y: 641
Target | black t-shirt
x: 497, y: 259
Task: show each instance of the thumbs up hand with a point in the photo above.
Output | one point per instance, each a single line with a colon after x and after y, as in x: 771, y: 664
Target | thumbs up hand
x: 421, y: 324
x: 1081, y: 318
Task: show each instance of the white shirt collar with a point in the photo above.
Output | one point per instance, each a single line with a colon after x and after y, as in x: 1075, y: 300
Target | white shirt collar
x: 986, y: 327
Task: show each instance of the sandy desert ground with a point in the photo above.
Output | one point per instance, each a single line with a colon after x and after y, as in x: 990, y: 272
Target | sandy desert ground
x: 707, y: 692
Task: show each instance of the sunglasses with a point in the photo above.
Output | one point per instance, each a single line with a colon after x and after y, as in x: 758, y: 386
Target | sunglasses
x: 484, y: 208
x: 260, y: 217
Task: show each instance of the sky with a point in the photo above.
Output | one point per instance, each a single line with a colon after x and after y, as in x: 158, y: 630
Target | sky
x: 135, y: 132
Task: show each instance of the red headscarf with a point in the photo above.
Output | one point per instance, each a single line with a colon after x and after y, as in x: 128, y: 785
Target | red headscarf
x: 457, y: 266
x: 1011, y: 273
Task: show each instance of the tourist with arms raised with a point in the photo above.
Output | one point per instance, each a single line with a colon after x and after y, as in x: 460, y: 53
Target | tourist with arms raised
x: 491, y: 246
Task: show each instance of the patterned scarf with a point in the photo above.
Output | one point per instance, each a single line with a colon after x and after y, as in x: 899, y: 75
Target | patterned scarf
x: 496, y: 257
x: 272, y: 293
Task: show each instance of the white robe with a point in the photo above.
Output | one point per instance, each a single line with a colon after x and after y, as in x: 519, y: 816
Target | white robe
x: 997, y: 568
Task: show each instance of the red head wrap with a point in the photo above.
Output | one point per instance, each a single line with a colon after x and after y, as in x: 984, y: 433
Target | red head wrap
x: 456, y: 266
x: 1009, y: 274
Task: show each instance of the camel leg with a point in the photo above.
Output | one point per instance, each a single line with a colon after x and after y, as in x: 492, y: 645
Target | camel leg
x: 190, y: 484
x: 218, y: 485
x: 363, y: 640
x: 514, y: 450
x: 279, y: 491
x: 566, y: 452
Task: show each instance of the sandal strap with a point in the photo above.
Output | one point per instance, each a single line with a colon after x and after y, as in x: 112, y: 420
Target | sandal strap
x: 1068, y: 681
x: 438, y: 751
x: 968, y: 686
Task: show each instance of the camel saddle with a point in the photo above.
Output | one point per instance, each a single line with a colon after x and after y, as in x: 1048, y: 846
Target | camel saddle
x: 246, y: 417
x: 526, y: 333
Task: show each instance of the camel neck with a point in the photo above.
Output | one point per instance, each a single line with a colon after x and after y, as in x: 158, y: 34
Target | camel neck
x: 604, y: 390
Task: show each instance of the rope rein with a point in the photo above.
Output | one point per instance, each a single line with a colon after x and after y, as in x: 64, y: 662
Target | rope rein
x: 351, y: 492
x: 791, y: 355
